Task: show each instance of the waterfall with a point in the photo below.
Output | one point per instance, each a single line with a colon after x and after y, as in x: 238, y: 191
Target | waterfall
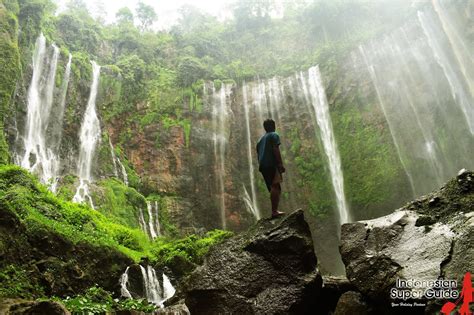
x: 168, y: 289
x: 460, y: 93
x: 141, y: 221
x: 154, y: 292
x: 423, y: 85
x: 220, y: 128
x: 323, y: 118
x: 114, y: 162
x: 38, y: 157
x: 88, y: 136
x: 152, y: 219
x: 124, y: 171
x: 390, y: 124
x: 252, y: 202
x: 123, y: 284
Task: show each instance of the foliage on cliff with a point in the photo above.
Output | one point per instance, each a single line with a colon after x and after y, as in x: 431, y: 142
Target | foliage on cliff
x: 47, y: 226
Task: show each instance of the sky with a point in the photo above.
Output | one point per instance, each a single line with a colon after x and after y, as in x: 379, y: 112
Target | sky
x: 167, y: 10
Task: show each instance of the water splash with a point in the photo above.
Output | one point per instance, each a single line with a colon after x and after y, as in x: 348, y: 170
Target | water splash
x: 89, y: 136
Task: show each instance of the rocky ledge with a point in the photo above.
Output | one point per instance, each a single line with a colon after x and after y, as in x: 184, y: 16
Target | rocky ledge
x: 271, y: 269
x: 430, y: 238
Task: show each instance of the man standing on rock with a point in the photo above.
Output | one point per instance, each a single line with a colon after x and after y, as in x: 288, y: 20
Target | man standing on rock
x: 271, y: 164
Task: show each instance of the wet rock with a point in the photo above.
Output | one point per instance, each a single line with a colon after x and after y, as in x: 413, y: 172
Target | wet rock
x: 270, y: 269
x: 351, y: 303
x: 333, y: 288
x: 425, y: 240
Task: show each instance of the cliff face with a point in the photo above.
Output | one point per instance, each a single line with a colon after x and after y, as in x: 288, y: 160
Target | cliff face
x: 191, y: 150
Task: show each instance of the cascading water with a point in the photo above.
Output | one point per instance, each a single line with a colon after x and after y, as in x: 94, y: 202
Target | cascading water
x: 142, y: 222
x: 89, y: 136
x: 422, y: 81
x: 323, y: 118
x: 38, y: 157
x: 124, y: 172
x: 123, y: 284
x: 220, y: 126
x: 153, y: 219
x: 154, y: 292
x: 251, y: 202
x: 114, y: 162
x: 461, y: 93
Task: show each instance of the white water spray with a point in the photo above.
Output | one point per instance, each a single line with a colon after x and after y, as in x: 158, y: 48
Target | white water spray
x: 321, y: 109
x: 89, y: 137
x: 253, y: 201
x: 38, y: 157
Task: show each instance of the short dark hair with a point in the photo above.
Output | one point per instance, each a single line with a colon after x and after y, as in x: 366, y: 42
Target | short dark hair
x: 269, y: 125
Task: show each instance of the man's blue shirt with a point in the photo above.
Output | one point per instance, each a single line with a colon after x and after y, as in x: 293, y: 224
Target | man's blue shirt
x: 266, y: 157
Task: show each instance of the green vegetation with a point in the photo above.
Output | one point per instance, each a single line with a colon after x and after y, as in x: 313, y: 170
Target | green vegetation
x: 98, y: 301
x: 38, y: 208
x: 16, y: 282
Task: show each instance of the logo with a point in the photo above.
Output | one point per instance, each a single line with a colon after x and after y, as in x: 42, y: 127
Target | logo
x: 412, y: 292
x: 466, y: 297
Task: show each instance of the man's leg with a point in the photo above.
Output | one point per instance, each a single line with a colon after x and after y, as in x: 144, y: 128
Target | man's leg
x: 275, y: 194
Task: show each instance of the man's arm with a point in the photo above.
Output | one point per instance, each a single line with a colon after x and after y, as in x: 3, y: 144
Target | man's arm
x: 277, y: 154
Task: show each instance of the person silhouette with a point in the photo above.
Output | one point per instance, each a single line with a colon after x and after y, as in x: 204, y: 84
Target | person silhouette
x: 271, y: 164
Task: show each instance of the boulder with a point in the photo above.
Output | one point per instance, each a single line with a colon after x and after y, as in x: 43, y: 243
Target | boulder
x: 429, y: 238
x: 351, y: 302
x: 270, y: 269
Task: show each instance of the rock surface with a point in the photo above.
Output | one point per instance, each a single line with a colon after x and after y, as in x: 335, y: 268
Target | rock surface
x: 270, y: 269
x: 429, y: 238
x: 351, y: 302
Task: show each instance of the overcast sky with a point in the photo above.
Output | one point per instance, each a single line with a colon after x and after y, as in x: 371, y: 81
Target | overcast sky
x: 165, y: 9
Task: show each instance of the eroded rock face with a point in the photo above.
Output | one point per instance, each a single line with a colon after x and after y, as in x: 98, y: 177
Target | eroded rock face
x: 270, y: 269
x: 429, y: 238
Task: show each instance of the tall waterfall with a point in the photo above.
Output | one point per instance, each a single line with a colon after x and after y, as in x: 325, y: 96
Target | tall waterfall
x: 220, y: 129
x: 423, y: 78
x: 155, y: 292
x: 323, y: 118
x: 89, y: 136
x: 250, y: 201
x: 38, y: 156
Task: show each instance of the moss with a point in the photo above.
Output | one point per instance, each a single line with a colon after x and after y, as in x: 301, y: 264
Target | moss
x: 15, y: 282
x: 120, y: 201
x: 10, y: 65
x: 184, y: 254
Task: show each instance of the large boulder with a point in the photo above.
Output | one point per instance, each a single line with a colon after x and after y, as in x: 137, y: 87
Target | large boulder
x: 429, y: 238
x: 270, y: 269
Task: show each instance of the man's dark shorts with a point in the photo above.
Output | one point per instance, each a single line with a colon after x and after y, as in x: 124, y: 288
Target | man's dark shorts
x: 271, y: 176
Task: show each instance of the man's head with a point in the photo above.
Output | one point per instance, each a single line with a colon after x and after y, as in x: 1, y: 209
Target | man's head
x: 269, y: 125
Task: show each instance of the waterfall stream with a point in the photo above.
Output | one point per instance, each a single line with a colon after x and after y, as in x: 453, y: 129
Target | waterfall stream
x: 323, y: 118
x: 154, y: 291
x: 89, y: 136
x: 250, y: 201
x: 39, y: 157
x: 423, y: 83
x: 220, y: 112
